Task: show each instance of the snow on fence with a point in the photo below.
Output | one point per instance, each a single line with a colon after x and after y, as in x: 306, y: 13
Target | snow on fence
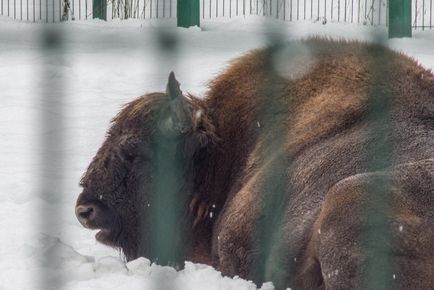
x: 367, y: 12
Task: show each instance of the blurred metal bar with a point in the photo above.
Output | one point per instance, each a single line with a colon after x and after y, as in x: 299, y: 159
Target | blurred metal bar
x: 290, y: 12
x: 379, y: 12
x: 400, y: 18
x: 331, y: 10
x: 345, y: 11
x: 277, y: 9
x: 423, y: 14
x: 366, y: 12
x: 352, y: 11
x: 325, y: 10
x: 298, y: 10
x: 358, y: 13
x: 51, y: 143
x: 378, y: 209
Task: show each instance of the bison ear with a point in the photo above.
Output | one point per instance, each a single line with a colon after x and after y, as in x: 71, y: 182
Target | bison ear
x: 179, y: 121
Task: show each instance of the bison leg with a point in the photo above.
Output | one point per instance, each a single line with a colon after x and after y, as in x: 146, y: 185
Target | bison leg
x: 339, y: 238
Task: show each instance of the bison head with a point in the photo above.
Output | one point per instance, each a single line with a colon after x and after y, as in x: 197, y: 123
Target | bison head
x: 142, y: 176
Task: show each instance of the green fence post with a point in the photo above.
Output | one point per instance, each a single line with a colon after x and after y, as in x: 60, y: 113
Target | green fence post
x: 100, y: 9
x: 399, y: 18
x: 188, y: 13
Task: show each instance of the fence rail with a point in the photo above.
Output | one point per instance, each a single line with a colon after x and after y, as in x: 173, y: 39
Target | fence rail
x: 367, y: 12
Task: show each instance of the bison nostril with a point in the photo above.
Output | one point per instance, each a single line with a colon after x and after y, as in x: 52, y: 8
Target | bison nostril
x: 85, y: 213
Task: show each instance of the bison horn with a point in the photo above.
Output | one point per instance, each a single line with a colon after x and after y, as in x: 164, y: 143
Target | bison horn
x: 179, y: 111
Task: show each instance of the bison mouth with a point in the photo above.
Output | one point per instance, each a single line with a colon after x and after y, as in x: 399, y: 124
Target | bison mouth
x: 106, y: 237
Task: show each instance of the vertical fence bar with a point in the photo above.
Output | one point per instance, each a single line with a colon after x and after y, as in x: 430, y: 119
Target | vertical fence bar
x: 188, y: 13
x: 387, y: 13
x: 325, y: 10
x: 99, y: 9
x: 345, y: 11
x: 331, y: 11
x: 399, y: 18
x: 290, y: 13
x: 34, y: 17
x: 366, y: 12
x: 304, y: 10
x: 51, y: 187
x: 298, y: 10
x: 358, y: 12
x: 277, y: 9
x: 271, y: 9
x: 423, y: 14
x: 430, y: 14
x: 379, y: 12
x: 378, y: 209
x: 352, y: 11
x: 415, y: 14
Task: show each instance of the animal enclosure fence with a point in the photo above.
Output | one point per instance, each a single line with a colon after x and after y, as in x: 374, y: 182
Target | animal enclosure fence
x: 365, y: 12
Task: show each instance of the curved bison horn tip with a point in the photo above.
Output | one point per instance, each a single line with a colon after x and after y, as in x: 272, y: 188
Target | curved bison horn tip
x: 173, y: 89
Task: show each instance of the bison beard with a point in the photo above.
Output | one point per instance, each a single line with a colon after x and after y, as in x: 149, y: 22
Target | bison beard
x: 268, y: 176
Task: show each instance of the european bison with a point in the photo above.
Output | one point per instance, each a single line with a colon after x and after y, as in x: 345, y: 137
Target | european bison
x: 281, y: 172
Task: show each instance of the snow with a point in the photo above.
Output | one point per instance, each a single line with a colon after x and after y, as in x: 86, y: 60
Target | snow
x: 99, y: 67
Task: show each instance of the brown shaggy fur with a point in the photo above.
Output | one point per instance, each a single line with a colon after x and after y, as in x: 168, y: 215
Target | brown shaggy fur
x: 288, y: 124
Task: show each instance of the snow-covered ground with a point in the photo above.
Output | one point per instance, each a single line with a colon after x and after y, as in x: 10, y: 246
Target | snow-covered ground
x: 74, y: 91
